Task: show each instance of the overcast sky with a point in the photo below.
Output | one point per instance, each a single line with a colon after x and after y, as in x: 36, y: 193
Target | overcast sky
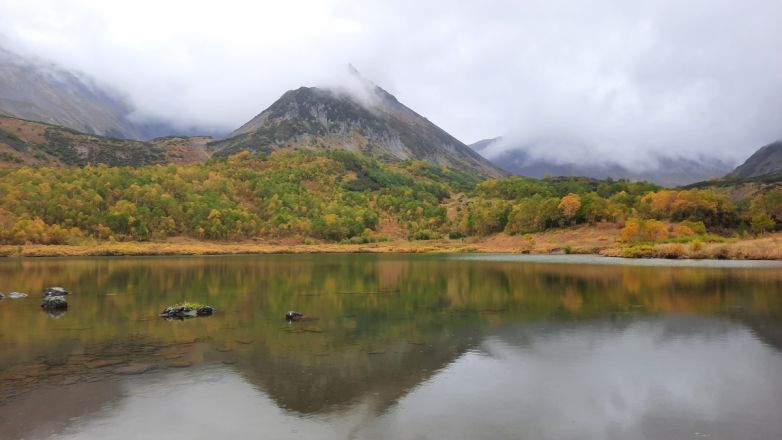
x: 567, y: 78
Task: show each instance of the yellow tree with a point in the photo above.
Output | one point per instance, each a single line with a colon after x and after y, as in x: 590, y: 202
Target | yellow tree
x: 569, y: 205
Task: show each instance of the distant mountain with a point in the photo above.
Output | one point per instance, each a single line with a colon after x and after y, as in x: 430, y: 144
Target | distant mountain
x: 375, y: 124
x: 34, y: 143
x: 767, y: 161
x: 43, y: 92
x: 668, y: 171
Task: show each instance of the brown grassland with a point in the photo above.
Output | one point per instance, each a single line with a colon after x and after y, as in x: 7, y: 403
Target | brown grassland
x: 599, y: 240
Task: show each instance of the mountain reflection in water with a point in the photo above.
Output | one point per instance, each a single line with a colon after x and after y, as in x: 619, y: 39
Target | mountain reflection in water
x: 403, y: 347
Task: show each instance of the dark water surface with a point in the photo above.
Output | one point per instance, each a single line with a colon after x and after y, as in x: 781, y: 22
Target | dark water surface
x: 402, y: 347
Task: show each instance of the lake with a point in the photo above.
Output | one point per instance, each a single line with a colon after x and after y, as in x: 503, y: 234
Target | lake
x: 396, y: 347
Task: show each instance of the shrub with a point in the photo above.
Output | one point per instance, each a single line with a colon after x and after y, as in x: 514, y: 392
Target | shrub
x: 455, y: 235
x: 762, y: 222
x: 364, y: 239
x: 697, y: 227
x: 643, y: 231
x: 639, y: 251
x: 722, y: 253
x: 534, y: 214
x: 688, y: 229
x: 484, y: 217
x: 425, y: 234
x: 672, y: 251
x: 682, y: 231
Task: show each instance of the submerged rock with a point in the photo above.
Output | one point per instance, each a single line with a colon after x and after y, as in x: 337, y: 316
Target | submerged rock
x: 186, y: 311
x: 54, y: 303
x: 55, y: 291
x: 179, y: 364
x: 294, y: 316
x: 138, y: 368
x: 17, y: 295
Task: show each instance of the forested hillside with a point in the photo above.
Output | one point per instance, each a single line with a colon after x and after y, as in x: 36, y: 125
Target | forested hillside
x: 342, y: 196
x: 35, y: 143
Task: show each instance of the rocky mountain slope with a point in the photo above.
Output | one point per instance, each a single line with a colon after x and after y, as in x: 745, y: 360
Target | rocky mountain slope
x: 767, y: 161
x: 34, y: 143
x: 43, y: 92
x: 667, y: 171
x: 376, y: 124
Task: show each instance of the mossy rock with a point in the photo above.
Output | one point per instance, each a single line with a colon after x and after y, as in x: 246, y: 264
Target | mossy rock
x: 187, y: 310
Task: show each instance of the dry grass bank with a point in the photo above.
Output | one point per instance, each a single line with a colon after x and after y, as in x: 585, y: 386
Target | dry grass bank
x: 193, y: 247
x: 768, y: 247
x: 599, y: 239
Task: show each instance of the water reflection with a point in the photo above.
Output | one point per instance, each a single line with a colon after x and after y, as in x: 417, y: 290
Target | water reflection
x: 658, y: 378
x: 403, y: 347
x: 597, y: 381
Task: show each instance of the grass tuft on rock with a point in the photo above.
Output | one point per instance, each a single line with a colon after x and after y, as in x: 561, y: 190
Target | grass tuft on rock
x: 190, y: 306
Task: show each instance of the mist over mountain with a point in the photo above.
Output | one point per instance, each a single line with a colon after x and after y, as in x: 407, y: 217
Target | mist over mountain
x: 665, y: 170
x: 363, y: 118
x: 41, y: 91
x: 674, y: 78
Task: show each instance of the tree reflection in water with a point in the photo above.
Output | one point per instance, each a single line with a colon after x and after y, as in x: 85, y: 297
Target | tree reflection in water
x: 497, y: 344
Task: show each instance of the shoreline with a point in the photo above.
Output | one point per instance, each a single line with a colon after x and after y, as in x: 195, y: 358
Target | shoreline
x: 587, y: 240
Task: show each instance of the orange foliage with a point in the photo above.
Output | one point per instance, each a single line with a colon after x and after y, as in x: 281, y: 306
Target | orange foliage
x: 569, y: 205
x: 682, y: 231
x: 638, y: 231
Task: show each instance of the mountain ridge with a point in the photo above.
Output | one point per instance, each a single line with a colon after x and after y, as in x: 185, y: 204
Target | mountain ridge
x: 766, y: 161
x: 669, y: 171
x: 25, y: 142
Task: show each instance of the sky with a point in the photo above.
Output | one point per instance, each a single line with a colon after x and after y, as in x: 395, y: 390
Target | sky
x: 565, y: 79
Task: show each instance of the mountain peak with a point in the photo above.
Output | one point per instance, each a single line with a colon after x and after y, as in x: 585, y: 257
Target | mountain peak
x: 360, y: 117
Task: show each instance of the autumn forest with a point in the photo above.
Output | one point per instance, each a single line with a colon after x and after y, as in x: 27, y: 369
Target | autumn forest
x: 344, y: 197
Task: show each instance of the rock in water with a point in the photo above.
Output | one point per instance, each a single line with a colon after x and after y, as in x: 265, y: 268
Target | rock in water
x: 174, y: 312
x: 205, y: 311
x: 181, y: 312
x: 294, y: 316
x: 2, y: 297
x: 17, y: 295
x: 54, y: 303
x: 55, y: 291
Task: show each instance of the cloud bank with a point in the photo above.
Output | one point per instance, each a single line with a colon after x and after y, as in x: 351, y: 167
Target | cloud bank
x: 568, y: 80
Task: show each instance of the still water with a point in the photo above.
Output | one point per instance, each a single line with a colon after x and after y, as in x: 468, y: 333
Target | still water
x: 398, y: 347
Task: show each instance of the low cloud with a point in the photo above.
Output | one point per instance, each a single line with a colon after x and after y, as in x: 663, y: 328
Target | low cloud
x: 566, y: 80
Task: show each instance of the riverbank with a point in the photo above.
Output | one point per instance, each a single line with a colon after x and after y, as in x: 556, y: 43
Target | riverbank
x: 600, y: 240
